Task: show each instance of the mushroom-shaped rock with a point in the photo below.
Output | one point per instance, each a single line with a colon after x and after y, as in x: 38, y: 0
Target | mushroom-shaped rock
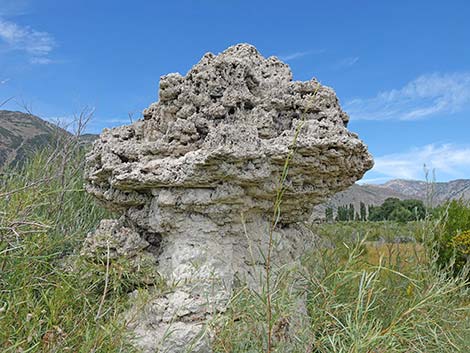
x: 198, y: 176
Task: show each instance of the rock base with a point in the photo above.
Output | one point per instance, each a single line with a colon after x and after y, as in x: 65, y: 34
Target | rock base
x: 203, y: 264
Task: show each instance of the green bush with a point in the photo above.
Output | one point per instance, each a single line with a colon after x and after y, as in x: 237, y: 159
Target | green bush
x: 461, y: 244
x: 401, y: 214
x: 397, y: 210
x: 454, y: 224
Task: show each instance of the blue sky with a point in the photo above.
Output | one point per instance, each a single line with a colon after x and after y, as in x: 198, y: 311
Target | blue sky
x: 400, y: 68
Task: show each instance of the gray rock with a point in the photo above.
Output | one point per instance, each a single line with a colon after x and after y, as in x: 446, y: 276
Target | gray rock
x: 114, y: 240
x: 201, y: 172
x: 115, y: 237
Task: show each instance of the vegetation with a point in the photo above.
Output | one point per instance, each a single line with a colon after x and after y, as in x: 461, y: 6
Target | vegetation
x: 384, y: 231
x: 452, y: 240
x: 51, y: 299
x: 398, y: 210
x: 346, y: 213
x: 362, y: 297
x: 392, y: 209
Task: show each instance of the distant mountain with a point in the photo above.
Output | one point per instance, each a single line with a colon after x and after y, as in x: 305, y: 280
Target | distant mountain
x: 431, y: 193
x: 21, y: 134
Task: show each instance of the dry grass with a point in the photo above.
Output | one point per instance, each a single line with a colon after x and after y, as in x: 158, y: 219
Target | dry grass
x: 402, y: 256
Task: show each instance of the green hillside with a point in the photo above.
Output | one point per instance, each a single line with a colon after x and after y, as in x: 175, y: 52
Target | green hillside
x: 21, y: 134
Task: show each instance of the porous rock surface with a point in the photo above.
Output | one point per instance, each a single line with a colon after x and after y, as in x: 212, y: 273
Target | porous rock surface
x: 198, y: 175
x: 113, y: 240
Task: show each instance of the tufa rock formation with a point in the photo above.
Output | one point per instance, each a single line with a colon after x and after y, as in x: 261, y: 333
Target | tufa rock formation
x: 197, y: 177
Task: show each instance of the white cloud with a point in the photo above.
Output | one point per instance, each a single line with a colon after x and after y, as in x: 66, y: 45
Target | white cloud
x: 347, y: 62
x: 300, y: 54
x: 448, y: 160
x: 36, y: 44
x: 41, y: 60
x: 5, y: 80
x: 373, y: 180
x: 425, y: 96
x: 114, y: 121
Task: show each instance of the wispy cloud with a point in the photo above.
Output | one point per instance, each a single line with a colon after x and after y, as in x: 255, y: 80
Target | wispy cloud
x: 5, y: 80
x: 13, y: 7
x: 373, y: 180
x: 299, y: 54
x: 72, y: 122
x: 348, y: 62
x: 41, y: 60
x: 119, y: 121
x: 423, y: 97
x: 37, y: 45
x: 448, y: 160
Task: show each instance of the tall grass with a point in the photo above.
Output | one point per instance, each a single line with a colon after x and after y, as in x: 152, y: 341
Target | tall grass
x: 49, y: 296
x: 354, y: 305
x: 276, y: 215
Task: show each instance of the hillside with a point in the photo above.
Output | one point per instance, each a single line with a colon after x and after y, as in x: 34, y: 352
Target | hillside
x: 437, y: 192
x: 22, y: 133
x: 434, y: 193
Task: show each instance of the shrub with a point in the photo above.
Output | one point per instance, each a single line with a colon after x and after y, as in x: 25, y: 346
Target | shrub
x: 394, y: 209
x: 461, y: 245
x: 400, y: 214
x: 452, y: 236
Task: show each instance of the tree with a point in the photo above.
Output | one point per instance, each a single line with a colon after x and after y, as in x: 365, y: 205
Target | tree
x: 388, y: 206
x: 351, y: 212
x: 416, y: 207
x: 393, y: 209
x: 343, y: 214
x: 376, y: 214
x: 363, y: 212
x: 400, y: 214
x: 329, y: 214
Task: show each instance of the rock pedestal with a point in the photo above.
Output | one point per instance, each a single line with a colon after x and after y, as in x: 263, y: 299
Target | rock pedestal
x: 198, y: 175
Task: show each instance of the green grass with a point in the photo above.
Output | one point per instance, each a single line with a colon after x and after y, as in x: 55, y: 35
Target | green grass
x: 387, y: 231
x: 362, y: 297
x: 49, y: 296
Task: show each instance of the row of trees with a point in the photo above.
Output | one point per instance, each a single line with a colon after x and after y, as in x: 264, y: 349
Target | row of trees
x: 346, y: 213
x: 392, y: 209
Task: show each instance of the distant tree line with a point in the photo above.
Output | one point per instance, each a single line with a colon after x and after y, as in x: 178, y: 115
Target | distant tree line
x: 392, y: 209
